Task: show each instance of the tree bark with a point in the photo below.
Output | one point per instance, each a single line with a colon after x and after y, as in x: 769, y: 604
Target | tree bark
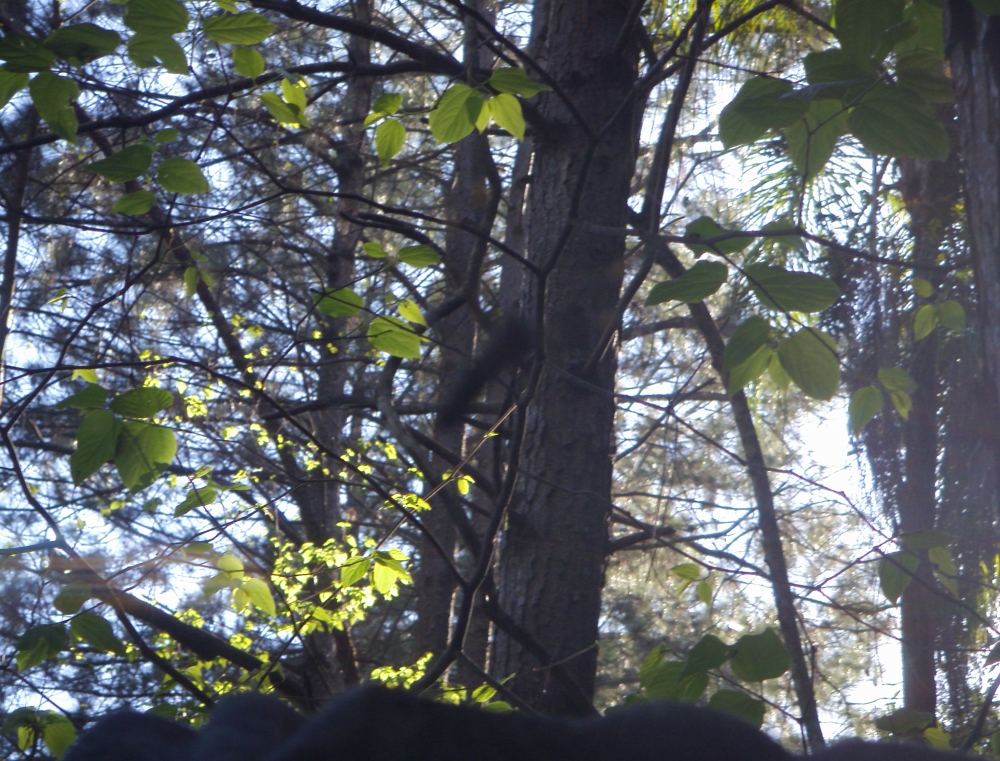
x: 551, y: 566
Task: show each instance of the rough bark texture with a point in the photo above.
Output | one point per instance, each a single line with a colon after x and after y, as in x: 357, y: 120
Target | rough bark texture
x: 552, y: 559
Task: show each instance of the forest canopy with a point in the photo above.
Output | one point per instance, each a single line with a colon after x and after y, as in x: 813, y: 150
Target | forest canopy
x: 481, y: 347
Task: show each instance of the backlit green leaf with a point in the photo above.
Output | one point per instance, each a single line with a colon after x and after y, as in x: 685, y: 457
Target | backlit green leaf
x: 760, y: 656
x: 340, y: 303
x: 246, y: 28
x: 395, y: 337
x: 354, y: 570
x: 182, y: 176
x: 757, y: 107
x: 506, y: 112
x: 135, y: 203
x: 812, y: 138
x: 72, y: 597
x: 11, y: 83
x: 39, y: 644
x: 748, y: 337
x: 925, y: 321
x: 88, y: 398
x: 927, y: 539
x: 58, y: 733
x: 896, y: 379
x: 143, y: 453
x: 515, y: 81
x: 456, y: 113
x: 52, y: 96
x: 865, y: 404
x: 259, y: 595
x: 25, y: 54
x: 419, y: 256
x: 410, y: 311
x: 902, y: 402
x: 739, y: 704
x: 706, y: 227
x: 96, y: 440
x: 148, y: 50
x: 141, y: 402
x: 895, y: 571
x: 390, y: 136
x: 80, y: 44
x: 923, y: 287
x: 194, y: 499
x: 952, y: 316
x: 810, y: 359
x: 862, y: 24
x: 894, y: 121
x: 97, y: 632
x: 125, y: 165
x: 778, y: 288
x: 750, y: 369
x: 699, y: 282
x: 248, y: 62
x: 710, y: 653
x: 160, y: 18
x: 282, y: 112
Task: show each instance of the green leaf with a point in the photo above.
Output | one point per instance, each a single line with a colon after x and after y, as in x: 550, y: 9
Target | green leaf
x: 699, y: 282
x: 895, y: 571
x: 419, y: 256
x: 80, y: 44
x: 862, y: 24
x: 748, y: 337
x: 125, y: 165
x: 294, y: 94
x: 384, y: 577
x: 395, y: 337
x: 88, y: 374
x: 760, y: 656
x: 25, y: 54
x: 925, y: 321
x: 388, y: 103
x: 52, y: 96
x: 758, y: 107
x: 812, y: 139
x: 929, y: 38
x: 710, y: 653
x: 952, y: 316
x: 248, y: 62
x: 836, y: 65
x: 72, y: 597
x: 706, y: 227
x: 865, y: 404
x: 156, y: 18
x: 195, y: 498
x: 778, y: 288
x: 923, y: 287
x: 687, y: 571
x: 515, y: 81
x: 739, y: 704
x: 231, y: 565
x: 354, y: 570
x: 141, y: 402
x: 937, y: 737
x: 134, y: 204
x: 144, y: 451
x: 893, y: 121
x: 246, y: 28
x: 932, y: 85
x: 182, y: 176
x: 340, y: 303
x: 902, y: 402
x: 506, y: 112
x: 650, y: 663
x: 191, y: 280
x: 90, y: 397
x: 148, y: 50
x: 810, y: 359
x: 97, y: 632
x: 390, y: 136
x: 96, y: 439
x: 946, y: 571
x: 704, y: 592
x: 11, y: 83
x: 905, y: 722
x: 39, y: 644
x: 283, y: 113
x: 778, y: 375
x: 750, y: 370
x: 167, y: 135
x: 374, y: 250
x: 259, y: 594
x: 410, y: 311
x: 58, y: 733
x: 456, y: 113
x: 666, y: 683
x: 927, y: 539
x: 896, y: 379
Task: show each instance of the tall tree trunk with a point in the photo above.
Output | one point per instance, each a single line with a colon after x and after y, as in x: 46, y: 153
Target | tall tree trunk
x: 551, y: 566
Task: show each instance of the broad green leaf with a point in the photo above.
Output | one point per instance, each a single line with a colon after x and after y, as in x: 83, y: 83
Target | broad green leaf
x: 25, y: 54
x: 706, y: 227
x: 757, y: 107
x: 384, y: 577
x: 783, y: 241
x: 125, y: 165
x: 246, y: 28
x: 905, y: 722
x: 52, y: 96
x: 952, y: 316
x: 87, y: 399
x: 894, y: 121
x: 395, y: 337
x: 946, y: 571
x: 134, y: 204
x: 148, y: 50
x: 354, y: 570
x: 388, y: 103
x: 698, y: 283
x: 284, y: 112
x: 896, y: 379
x: 240, y: 599
x: 760, y: 656
x: 710, y: 653
x: 739, y: 704
x: 144, y: 451
x: 865, y: 404
x: 410, y: 311
x: 80, y: 44
x: 506, y: 112
x: 182, y: 176
x: 687, y: 571
x: 902, y: 402
x: 666, y: 683
x: 248, y: 62
x: 862, y: 24
x: 456, y: 113
x: 937, y: 737
x: 485, y: 116
x: 925, y: 321
x: 231, y: 565
x: 72, y: 597
x: 259, y: 594
x: 11, y: 83
x: 390, y: 136
x: 810, y: 359
x: 191, y: 280
x: 88, y: 374
x: 167, y: 135
x: 374, y: 250
x: 96, y: 439
x: 748, y: 337
x: 929, y: 38
x: 895, y: 571
x: 750, y: 369
x: 778, y: 375
x: 812, y: 139
x: 704, y: 592
x: 194, y: 499
x: 778, y: 288
x: 836, y: 65
x: 97, y: 632
x: 141, y: 402
x: 157, y: 18
x: 419, y: 256
x: 927, y: 539
x: 515, y: 81
x: 39, y: 644
x: 932, y: 85
x: 58, y: 733
x: 340, y: 303
x: 651, y: 662
x: 923, y: 287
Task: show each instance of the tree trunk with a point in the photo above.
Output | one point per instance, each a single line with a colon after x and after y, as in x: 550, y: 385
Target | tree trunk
x: 551, y: 567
